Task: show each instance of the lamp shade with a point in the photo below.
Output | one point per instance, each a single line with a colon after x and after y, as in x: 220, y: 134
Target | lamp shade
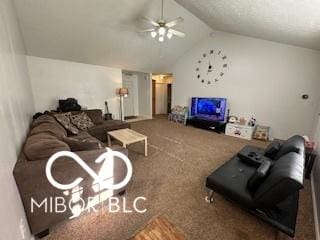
x: 123, y: 91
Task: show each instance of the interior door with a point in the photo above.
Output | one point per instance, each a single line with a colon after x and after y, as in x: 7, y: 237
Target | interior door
x: 128, y: 102
x: 153, y: 97
x: 161, y: 96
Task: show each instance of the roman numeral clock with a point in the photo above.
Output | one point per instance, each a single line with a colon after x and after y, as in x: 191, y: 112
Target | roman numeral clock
x: 211, y: 67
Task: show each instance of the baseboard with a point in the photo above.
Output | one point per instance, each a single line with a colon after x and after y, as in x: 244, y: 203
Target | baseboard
x: 315, y: 210
x: 146, y: 116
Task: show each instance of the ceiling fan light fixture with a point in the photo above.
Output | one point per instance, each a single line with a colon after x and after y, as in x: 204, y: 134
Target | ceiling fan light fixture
x: 162, y: 31
x: 153, y: 34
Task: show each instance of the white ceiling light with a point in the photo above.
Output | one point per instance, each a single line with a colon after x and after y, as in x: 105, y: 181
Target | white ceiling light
x: 153, y: 34
x: 163, y: 28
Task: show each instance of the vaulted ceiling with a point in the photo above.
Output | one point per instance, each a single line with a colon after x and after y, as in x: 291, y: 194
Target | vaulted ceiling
x: 295, y: 22
x: 105, y: 32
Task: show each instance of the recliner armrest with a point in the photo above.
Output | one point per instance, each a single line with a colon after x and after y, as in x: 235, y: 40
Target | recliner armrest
x: 259, y: 175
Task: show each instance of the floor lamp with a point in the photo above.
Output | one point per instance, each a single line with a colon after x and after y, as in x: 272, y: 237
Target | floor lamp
x: 122, y: 92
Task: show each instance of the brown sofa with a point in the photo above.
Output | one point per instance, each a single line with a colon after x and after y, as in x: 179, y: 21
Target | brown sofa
x: 46, y: 137
x: 101, y: 126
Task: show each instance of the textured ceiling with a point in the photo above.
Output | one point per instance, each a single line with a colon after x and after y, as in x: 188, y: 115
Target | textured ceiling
x: 295, y: 22
x: 104, y: 32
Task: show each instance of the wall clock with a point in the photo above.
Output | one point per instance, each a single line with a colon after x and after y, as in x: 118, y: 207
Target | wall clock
x: 211, y: 66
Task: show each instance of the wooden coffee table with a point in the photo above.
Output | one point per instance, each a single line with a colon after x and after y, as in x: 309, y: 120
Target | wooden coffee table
x: 127, y: 136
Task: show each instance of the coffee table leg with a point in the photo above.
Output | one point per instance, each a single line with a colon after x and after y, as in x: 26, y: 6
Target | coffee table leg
x: 145, y: 147
x: 109, y: 141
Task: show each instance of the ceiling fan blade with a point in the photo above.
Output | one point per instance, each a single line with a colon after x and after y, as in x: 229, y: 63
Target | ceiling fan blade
x: 177, y: 33
x: 151, y: 21
x: 174, y: 22
x: 147, y: 30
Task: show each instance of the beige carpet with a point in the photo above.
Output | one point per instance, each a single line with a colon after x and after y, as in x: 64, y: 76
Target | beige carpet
x: 172, y: 178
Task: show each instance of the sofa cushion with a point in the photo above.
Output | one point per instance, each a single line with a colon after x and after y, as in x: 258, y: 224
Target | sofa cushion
x: 231, y: 181
x: 64, y: 120
x: 49, y: 128
x: 83, y: 141
x: 293, y: 144
x: 100, y: 131
x: 42, y: 146
x: 81, y: 121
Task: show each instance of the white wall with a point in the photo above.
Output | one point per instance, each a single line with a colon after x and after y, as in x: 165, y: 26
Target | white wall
x: 91, y: 85
x: 264, y: 79
x: 16, y: 109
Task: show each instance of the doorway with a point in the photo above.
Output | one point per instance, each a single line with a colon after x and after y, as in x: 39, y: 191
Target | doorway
x: 161, y: 94
x: 130, y: 102
x: 153, y: 97
x: 137, y: 104
x: 169, y: 98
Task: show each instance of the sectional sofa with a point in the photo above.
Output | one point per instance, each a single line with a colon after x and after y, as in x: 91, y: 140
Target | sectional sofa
x: 46, y: 137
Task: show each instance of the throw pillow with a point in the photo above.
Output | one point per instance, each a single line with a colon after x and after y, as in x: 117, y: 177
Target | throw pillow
x: 83, y: 141
x: 81, y: 121
x: 65, y: 121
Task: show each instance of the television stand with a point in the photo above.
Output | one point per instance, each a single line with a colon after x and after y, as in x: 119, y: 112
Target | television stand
x: 217, y: 127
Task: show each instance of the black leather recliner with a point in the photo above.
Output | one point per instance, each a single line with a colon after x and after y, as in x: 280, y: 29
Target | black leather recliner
x: 264, y: 181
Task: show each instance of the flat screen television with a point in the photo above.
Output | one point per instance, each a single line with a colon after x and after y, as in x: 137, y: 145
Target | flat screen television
x: 212, y: 109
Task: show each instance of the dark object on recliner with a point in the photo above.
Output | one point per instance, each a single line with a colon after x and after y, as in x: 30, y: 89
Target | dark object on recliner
x: 69, y: 104
x: 258, y: 177
x: 251, y: 156
x: 275, y: 200
x: 272, y: 149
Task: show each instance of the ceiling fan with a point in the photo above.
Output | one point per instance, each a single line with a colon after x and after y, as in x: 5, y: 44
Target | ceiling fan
x: 163, y: 29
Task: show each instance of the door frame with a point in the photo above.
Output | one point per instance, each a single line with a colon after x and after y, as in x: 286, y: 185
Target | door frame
x: 169, y: 97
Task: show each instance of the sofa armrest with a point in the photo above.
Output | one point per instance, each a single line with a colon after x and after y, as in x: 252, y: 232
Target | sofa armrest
x: 259, y: 175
